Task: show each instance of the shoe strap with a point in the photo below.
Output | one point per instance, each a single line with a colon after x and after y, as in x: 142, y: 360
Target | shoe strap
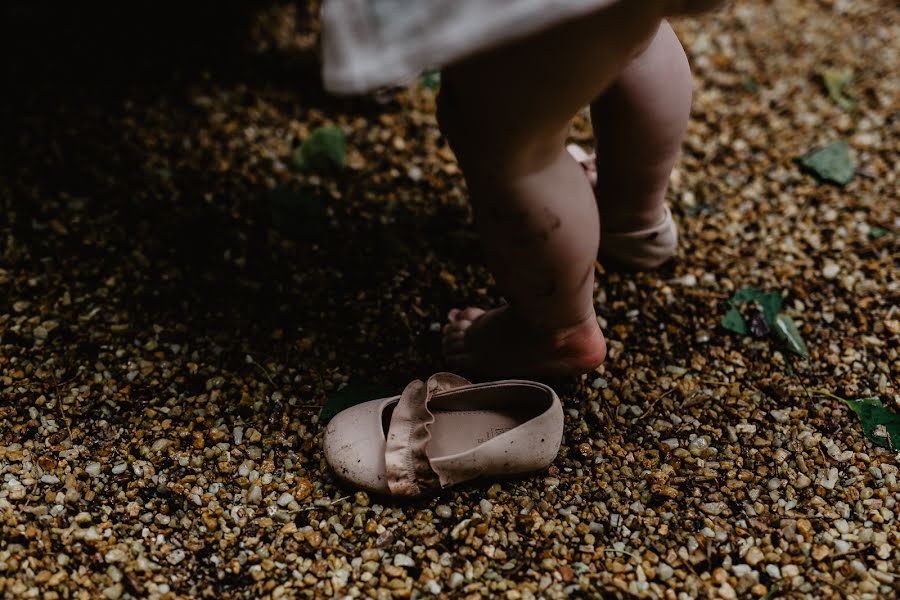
x: 409, y: 470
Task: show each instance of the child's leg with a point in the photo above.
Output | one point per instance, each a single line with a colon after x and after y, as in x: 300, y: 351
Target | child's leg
x: 639, y: 123
x: 506, y: 113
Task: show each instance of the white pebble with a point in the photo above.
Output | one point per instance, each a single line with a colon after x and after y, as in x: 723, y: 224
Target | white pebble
x: 175, y: 556
x: 285, y: 499
x: 780, y: 416
x: 456, y: 580
x: 664, y: 572
x: 741, y: 569
x: 726, y: 592
x: 841, y: 546
x: 160, y: 444
x: 830, y: 271
x: 92, y: 469
x: 486, y: 507
x: 842, y: 526
x: 689, y: 280
x: 49, y: 478
x: 116, y: 555
x: 830, y: 480
x: 402, y: 560
x: 713, y: 508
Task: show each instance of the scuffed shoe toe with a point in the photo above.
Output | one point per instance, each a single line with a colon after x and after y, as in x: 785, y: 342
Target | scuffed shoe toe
x: 354, y: 446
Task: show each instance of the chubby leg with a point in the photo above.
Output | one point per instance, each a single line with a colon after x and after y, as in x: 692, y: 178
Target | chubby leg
x: 506, y: 114
x: 639, y: 123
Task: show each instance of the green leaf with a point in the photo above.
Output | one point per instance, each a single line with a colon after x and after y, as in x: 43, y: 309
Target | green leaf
x: 830, y: 163
x: 775, y: 589
x: 325, y: 148
x: 786, y: 330
x: 835, y: 80
x: 350, y: 395
x: 744, y: 295
x: 734, y: 321
x: 770, y: 302
x: 880, y: 425
x: 431, y: 79
x: 880, y: 232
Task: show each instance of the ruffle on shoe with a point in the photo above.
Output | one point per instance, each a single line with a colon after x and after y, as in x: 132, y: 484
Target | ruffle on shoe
x: 409, y: 471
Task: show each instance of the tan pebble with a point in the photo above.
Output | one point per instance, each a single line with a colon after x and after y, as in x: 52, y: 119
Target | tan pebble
x: 314, y: 539
x: 303, y: 490
x: 754, y: 556
x: 727, y: 592
x: 790, y: 571
x: 394, y: 571
x: 370, y: 554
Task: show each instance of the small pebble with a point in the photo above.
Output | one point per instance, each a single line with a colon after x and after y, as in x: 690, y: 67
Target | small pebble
x: 402, y: 560
x: 456, y: 580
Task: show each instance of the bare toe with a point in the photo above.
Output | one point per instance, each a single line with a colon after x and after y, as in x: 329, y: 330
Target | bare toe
x: 470, y: 314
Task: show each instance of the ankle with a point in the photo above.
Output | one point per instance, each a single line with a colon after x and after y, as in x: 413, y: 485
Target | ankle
x: 584, y: 347
x: 581, y: 345
x: 626, y: 222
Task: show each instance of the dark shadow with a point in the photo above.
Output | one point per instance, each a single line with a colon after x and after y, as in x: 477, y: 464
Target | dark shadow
x: 197, y: 249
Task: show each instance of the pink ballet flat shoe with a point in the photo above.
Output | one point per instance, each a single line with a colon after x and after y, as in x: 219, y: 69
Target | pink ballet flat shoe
x: 640, y: 250
x: 443, y: 432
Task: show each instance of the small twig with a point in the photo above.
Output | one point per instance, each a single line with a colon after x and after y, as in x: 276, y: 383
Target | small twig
x: 690, y: 403
x: 314, y: 507
x: 253, y: 362
x: 827, y: 395
x: 59, y: 404
x: 716, y: 382
x: 656, y: 401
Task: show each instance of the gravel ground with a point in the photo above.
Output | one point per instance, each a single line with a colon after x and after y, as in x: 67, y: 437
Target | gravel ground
x: 176, y: 306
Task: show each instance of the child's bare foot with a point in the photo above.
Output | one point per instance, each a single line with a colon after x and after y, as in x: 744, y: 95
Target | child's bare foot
x: 499, y: 343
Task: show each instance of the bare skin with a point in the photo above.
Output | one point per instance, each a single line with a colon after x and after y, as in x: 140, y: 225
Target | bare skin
x: 639, y: 124
x: 506, y: 114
